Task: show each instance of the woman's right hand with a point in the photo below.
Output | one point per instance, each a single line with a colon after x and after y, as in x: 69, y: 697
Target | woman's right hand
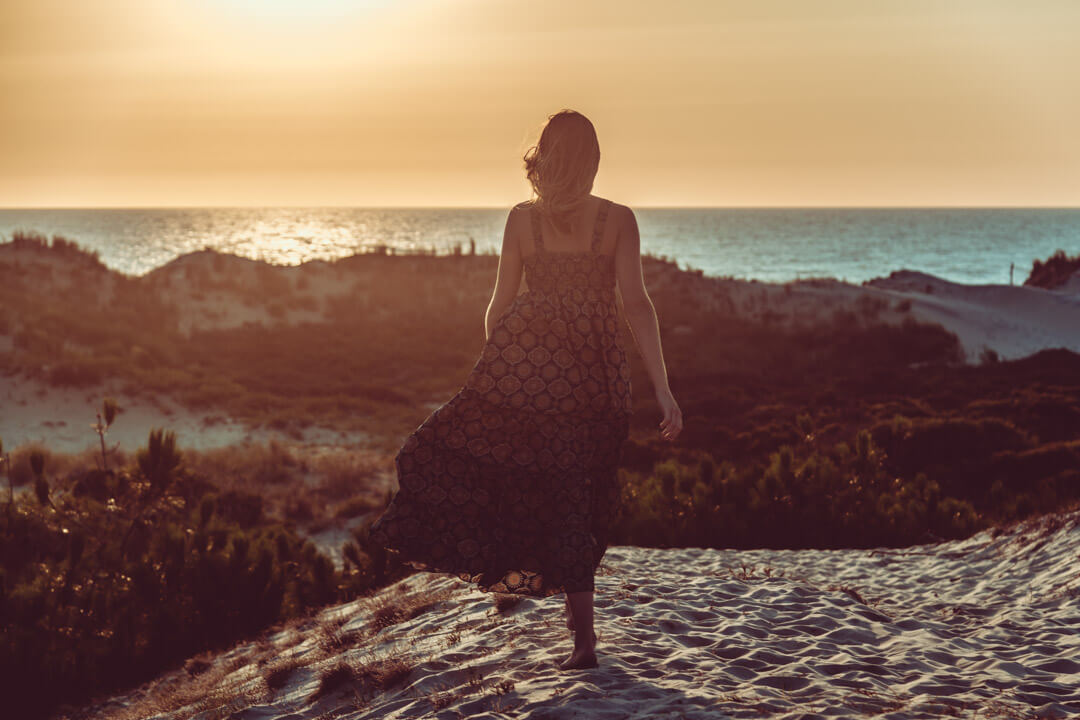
x: 671, y: 425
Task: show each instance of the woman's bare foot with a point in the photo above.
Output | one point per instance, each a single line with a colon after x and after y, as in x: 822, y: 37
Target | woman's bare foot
x: 579, y: 606
x: 583, y: 657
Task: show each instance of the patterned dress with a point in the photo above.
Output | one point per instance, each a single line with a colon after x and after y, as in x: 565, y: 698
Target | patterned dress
x: 512, y: 483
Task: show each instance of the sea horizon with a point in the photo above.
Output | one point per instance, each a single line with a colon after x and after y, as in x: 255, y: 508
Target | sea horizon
x: 972, y: 245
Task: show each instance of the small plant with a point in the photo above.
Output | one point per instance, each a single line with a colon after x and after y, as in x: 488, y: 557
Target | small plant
x: 745, y: 572
x: 475, y: 679
x: 505, y: 602
x: 196, y: 666
x: 41, y: 485
x: 329, y: 638
x: 504, y: 687
x: 441, y: 700
x: 101, y: 427
x: 334, y: 678
x: 160, y: 460
x: 387, y: 672
x: 1054, y: 272
x: 278, y: 675
x: 391, y: 610
x: 5, y: 461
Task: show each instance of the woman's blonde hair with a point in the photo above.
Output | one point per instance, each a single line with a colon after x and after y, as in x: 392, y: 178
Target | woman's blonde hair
x: 561, y: 167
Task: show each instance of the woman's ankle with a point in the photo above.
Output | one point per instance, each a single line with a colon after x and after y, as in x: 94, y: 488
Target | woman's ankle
x: 584, y: 638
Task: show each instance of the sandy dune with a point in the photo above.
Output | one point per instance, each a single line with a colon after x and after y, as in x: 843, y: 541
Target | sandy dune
x: 985, y: 627
x: 1014, y: 321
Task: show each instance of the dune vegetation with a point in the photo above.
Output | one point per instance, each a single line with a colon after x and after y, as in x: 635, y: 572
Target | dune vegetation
x: 1054, y: 272
x: 853, y: 427
x: 113, y: 572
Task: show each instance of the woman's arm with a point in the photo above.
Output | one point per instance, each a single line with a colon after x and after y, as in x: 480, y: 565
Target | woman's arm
x: 508, y: 278
x: 640, y: 313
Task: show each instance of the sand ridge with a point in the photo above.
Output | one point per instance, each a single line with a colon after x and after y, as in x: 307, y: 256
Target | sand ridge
x: 981, y: 627
x: 1012, y: 320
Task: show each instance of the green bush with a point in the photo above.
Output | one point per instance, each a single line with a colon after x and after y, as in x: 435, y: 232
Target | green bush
x: 1055, y: 271
x: 107, y: 578
x: 844, y: 497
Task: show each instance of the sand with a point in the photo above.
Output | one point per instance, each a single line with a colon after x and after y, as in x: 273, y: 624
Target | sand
x: 1012, y: 320
x: 985, y: 627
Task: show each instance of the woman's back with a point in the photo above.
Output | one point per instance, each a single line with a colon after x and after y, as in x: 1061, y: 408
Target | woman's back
x: 579, y: 236
x: 582, y: 259
x: 556, y: 348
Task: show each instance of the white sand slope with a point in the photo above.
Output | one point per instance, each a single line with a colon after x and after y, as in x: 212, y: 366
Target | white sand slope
x: 1072, y: 285
x: 1012, y: 320
x: 981, y: 628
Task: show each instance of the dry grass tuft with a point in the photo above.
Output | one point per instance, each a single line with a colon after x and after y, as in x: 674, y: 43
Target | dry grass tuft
x: 475, y: 679
x: 453, y: 638
x: 505, y: 602
x: 385, y: 673
x: 388, y: 610
x: 278, y: 674
x: 333, y: 679
x: 441, y: 700
x: 197, y: 666
x: 329, y: 637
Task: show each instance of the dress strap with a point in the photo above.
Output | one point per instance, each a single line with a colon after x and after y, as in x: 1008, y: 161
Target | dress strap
x: 538, y: 238
x: 598, y: 229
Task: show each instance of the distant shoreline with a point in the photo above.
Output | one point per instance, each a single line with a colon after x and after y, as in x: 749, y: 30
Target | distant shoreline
x: 967, y: 245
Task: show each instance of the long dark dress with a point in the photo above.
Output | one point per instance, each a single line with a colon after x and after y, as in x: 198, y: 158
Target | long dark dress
x: 512, y: 483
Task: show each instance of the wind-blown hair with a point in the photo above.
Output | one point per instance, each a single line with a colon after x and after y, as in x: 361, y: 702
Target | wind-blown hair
x: 561, y: 167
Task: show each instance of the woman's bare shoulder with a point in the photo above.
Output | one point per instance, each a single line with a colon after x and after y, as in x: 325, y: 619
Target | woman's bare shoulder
x: 518, y: 221
x: 622, y: 215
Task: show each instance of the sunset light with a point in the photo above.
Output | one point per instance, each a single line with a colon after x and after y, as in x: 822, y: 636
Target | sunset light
x: 539, y: 359
x: 430, y: 102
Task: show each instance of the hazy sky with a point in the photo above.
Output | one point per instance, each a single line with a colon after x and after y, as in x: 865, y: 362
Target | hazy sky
x: 433, y: 102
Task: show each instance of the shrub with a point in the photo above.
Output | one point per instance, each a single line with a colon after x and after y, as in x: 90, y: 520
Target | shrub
x: 99, y: 596
x: 1054, y: 272
x: 807, y: 498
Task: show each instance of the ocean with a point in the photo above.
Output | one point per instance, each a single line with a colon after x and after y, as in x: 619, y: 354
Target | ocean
x: 968, y: 245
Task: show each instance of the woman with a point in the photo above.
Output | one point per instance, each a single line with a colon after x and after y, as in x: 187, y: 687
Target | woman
x: 512, y: 483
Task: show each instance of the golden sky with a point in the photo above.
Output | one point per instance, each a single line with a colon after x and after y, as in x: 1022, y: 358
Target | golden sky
x: 433, y: 102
